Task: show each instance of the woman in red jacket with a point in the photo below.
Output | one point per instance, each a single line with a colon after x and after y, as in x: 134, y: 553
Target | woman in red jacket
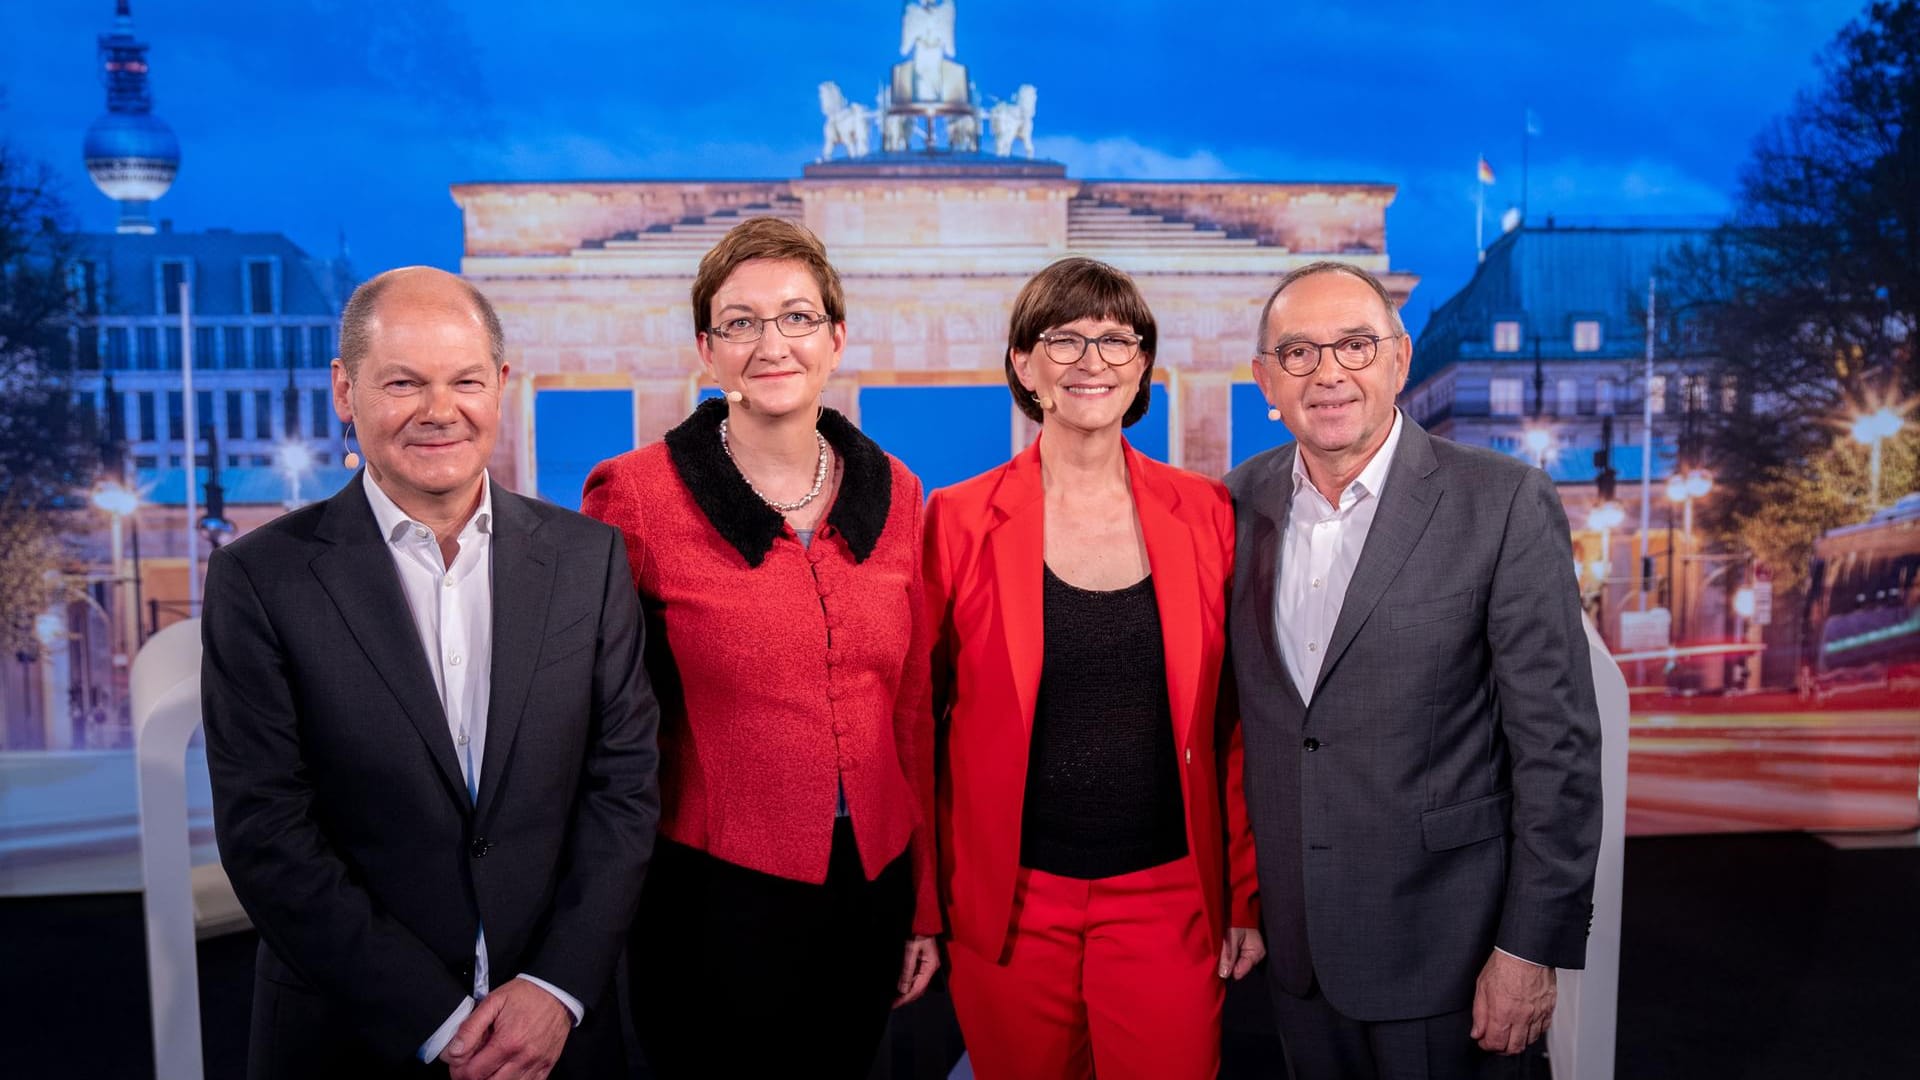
x: 1078, y: 595
x: 776, y: 551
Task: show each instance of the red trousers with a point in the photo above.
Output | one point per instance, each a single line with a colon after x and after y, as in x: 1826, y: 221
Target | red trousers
x: 1117, y: 976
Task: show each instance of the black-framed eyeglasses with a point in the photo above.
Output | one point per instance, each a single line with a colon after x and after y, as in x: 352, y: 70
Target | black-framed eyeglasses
x: 1302, y: 357
x: 1065, y: 347
x: 744, y: 328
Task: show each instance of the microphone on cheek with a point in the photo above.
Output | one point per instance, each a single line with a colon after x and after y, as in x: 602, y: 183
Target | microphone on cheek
x: 735, y: 397
x: 1046, y: 403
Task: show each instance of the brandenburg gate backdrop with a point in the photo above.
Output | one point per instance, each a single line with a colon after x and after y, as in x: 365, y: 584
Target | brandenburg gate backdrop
x: 592, y: 280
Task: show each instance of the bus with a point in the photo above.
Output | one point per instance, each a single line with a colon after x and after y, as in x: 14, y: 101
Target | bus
x: 1862, y: 624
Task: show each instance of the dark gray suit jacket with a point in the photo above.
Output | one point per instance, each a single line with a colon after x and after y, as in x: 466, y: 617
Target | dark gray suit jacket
x: 1441, y: 795
x: 341, y: 813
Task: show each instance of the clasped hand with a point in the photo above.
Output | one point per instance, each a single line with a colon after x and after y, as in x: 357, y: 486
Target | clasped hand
x: 516, y: 1033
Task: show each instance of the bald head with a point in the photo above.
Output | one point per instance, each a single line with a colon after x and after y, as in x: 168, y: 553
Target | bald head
x: 421, y: 288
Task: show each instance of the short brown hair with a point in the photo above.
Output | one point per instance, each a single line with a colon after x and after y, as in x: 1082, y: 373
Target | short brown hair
x: 1079, y: 288
x: 1329, y: 266
x: 765, y: 238
x: 356, y: 339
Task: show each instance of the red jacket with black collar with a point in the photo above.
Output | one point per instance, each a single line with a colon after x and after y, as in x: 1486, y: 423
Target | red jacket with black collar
x: 785, y: 672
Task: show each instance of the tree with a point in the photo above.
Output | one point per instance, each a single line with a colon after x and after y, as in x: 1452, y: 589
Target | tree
x: 47, y: 453
x: 1808, y: 299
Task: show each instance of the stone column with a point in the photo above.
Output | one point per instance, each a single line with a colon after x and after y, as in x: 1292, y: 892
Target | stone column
x: 1205, y: 413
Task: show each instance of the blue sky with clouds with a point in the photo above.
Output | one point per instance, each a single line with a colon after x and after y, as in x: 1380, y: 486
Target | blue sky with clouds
x: 317, y: 117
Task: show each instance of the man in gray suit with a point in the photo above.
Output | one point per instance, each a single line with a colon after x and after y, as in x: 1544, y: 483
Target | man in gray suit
x: 1422, y: 745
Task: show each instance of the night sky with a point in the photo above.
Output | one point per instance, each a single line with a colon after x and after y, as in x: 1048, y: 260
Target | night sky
x: 324, y: 118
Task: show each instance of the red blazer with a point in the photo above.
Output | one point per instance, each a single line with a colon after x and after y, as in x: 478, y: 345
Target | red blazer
x: 984, y: 555
x: 782, y: 670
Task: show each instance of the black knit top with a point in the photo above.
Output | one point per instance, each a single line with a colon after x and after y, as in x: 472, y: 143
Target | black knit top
x: 1103, y: 781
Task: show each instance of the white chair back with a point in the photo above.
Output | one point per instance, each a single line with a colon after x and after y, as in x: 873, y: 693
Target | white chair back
x: 1580, y: 1042
x: 166, y: 710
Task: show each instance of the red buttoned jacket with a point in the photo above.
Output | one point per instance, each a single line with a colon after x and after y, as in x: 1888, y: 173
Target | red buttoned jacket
x: 785, y: 673
x: 985, y: 551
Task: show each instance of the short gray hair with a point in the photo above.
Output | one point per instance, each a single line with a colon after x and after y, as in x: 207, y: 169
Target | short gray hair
x: 1329, y: 266
x: 356, y: 339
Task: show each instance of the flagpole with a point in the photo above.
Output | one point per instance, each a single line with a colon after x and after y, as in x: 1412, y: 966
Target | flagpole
x: 191, y: 422
x: 1480, y: 210
x: 1526, y: 140
x: 1646, y: 453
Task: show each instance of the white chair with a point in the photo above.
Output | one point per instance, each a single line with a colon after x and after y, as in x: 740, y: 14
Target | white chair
x: 166, y: 710
x: 1580, y: 1042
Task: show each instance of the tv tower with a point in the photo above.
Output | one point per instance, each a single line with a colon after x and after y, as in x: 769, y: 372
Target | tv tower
x: 131, y: 154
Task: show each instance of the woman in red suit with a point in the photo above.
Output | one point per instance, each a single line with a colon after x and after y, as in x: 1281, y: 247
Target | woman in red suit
x: 777, y: 554
x: 1095, y: 857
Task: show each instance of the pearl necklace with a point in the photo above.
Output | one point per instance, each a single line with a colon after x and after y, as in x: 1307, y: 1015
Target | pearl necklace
x: 819, y: 474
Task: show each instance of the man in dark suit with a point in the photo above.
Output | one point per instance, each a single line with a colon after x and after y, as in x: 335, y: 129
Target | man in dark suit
x: 430, y: 736
x: 1422, y: 764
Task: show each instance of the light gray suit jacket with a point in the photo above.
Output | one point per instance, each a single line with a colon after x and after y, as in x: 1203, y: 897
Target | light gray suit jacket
x: 1441, y: 795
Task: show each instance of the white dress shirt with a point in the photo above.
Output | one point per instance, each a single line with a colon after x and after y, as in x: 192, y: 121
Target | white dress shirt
x: 1318, y: 554
x: 452, y: 608
x: 1321, y: 548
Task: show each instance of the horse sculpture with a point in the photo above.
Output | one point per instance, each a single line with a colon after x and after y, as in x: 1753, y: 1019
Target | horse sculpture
x: 1013, y: 120
x: 846, y: 125
x: 963, y: 133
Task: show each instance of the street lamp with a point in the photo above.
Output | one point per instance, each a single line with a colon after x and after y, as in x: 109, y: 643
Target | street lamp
x: 294, y: 458
x: 1604, y: 519
x: 121, y: 502
x: 1872, y: 429
x: 1683, y: 489
x: 1539, y: 442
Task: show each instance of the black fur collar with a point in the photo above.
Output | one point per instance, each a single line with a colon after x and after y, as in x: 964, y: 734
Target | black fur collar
x: 859, y: 512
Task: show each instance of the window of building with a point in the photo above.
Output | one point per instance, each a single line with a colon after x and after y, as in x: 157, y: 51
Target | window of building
x: 290, y: 346
x: 234, y: 339
x: 1693, y: 393
x: 205, y: 353
x: 1603, y: 397
x: 1657, y: 394
x: 176, y: 414
x: 1505, y: 397
x: 148, y: 426
x: 322, y: 404
x: 203, y: 415
x: 145, y: 461
x: 147, y: 356
x: 1729, y: 393
x: 319, y: 346
x: 86, y: 286
x: 171, y: 336
x: 1567, y: 397
x: 87, y: 348
x: 261, y: 287
x: 263, y: 357
x: 236, y: 412
x: 1586, y: 335
x: 262, y: 414
x: 117, y: 348
x: 1506, y: 336
x: 173, y: 274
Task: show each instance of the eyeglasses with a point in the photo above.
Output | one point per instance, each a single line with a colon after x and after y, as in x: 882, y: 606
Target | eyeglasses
x: 1066, y: 347
x: 1302, y: 357
x: 745, y: 328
